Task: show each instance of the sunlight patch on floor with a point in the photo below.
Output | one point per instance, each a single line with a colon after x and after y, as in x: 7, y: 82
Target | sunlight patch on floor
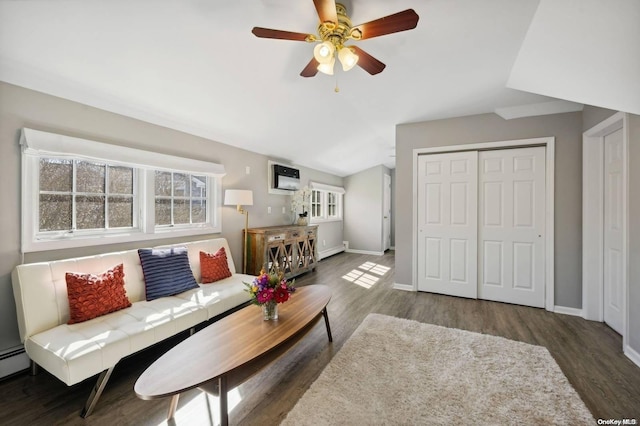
x: 364, y: 279
x: 374, y: 268
x: 203, y: 409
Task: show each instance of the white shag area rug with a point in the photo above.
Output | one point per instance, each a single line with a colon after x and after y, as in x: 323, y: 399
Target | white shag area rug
x: 394, y: 371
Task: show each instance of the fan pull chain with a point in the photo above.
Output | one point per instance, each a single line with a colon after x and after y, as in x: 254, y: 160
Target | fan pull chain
x: 337, y: 89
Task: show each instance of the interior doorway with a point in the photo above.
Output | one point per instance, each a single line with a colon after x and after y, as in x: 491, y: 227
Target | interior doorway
x: 605, y: 223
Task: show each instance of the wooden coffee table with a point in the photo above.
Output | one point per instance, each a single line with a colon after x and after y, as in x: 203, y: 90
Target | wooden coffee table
x: 229, y: 351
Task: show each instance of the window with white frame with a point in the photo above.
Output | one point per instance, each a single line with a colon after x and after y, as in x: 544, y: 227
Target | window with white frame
x: 180, y: 199
x: 77, y: 192
x: 316, y: 204
x: 76, y: 195
x: 326, y: 202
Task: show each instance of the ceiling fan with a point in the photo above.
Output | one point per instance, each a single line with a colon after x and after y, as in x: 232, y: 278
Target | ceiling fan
x: 335, y: 29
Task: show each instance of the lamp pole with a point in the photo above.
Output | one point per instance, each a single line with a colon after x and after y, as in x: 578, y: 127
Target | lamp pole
x: 246, y: 238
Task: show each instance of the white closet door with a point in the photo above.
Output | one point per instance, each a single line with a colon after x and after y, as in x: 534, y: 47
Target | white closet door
x: 447, y: 223
x: 613, y: 205
x: 512, y: 226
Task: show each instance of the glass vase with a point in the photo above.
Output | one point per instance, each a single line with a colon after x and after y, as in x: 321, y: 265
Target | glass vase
x: 270, y: 311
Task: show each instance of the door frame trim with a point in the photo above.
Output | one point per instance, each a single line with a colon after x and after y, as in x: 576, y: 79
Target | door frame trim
x: 549, y: 143
x: 593, y: 219
x: 386, y: 191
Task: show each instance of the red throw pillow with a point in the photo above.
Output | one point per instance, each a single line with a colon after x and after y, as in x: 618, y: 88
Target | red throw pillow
x: 91, y: 296
x: 214, y: 267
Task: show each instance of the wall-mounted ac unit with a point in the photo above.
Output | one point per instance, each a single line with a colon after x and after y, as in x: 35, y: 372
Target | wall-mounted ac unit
x: 286, y: 178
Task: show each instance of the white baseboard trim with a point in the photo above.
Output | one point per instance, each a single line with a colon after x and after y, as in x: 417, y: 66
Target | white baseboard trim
x: 403, y: 287
x: 372, y: 253
x: 632, y: 355
x: 567, y: 311
x: 330, y: 252
x: 13, y: 360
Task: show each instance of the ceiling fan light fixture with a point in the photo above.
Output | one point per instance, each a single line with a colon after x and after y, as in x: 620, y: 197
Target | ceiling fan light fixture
x: 324, y: 52
x: 347, y: 58
x: 327, y: 68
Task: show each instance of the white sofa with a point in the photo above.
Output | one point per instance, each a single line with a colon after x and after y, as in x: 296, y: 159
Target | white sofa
x: 76, y: 352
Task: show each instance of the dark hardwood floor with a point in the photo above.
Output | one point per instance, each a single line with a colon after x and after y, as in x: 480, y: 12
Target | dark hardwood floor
x: 588, y: 353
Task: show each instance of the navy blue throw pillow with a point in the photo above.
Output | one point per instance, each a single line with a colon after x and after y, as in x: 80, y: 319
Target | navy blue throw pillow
x: 166, y: 272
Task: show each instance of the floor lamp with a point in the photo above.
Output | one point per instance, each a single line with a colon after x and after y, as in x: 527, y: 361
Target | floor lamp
x: 239, y: 198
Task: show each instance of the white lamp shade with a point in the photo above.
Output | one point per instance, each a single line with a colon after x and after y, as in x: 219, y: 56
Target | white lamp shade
x: 324, y: 52
x: 238, y: 197
x: 328, y: 67
x: 347, y: 58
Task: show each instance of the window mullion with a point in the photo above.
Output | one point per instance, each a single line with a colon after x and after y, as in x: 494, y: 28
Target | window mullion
x: 190, y: 198
x: 74, y: 173
x: 323, y: 204
x: 172, y: 199
x: 106, y: 196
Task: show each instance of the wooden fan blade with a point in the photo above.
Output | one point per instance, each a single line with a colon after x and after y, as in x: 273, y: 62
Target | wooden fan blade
x: 401, y: 21
x: 368, y: 62
x: 279, y: 34
x: 326, y: 10
x: 311, y: 69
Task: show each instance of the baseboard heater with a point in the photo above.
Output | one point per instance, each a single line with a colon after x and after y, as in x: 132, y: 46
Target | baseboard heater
x: 13, y: 360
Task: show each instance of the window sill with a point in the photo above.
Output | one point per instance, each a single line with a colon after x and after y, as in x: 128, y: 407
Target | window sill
x: 319, y: 221
x: 132, y: 236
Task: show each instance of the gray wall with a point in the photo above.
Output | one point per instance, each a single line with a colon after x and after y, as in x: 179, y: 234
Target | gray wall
x: 567, y: 129
x: 363, y: 209
x: 20, y: 108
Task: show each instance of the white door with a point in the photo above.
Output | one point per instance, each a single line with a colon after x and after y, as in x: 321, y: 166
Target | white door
x: 512, y: 226
x: 386, y: 214
x: 613, y: 226
x: 447, y: 223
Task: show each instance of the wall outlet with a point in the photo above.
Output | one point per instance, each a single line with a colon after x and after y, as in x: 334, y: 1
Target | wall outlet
x: 284, y: 210
x: 268, y: 209
x: 324, y: 243
x: 247, y: 170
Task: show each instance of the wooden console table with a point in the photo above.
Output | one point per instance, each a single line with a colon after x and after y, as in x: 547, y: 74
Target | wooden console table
x: 291, y: 249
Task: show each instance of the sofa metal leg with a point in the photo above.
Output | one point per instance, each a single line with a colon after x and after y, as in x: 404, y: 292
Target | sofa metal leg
x: 96, y: 392
x: 192, y: 331
x: 33, y: 368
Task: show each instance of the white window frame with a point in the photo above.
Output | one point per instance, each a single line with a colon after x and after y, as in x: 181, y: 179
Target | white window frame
x: 37, y: 144
x: 324, y: 191
x: 173, y: 197
x: 81, y: 233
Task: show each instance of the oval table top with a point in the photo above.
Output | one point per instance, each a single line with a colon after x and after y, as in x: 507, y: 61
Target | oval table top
x: 230, y: 343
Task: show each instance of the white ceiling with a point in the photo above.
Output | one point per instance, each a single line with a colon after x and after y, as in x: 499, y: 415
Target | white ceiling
x: 193, y: 65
